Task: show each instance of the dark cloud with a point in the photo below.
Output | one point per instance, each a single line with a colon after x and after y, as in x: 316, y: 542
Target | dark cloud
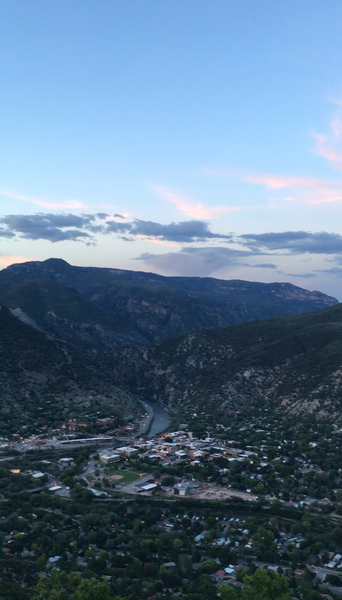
x: 119, y: 216
x: 299, y: 275
x: 296, y: 242
x: 197, y: 261
x: 333, y: 271
x: 201, y: 260
x: 114, y: 227
x: 52, y: 227
x: 6, y: 233
x: 60, y: 227
x: 185, y: 231
x: 262, y: 266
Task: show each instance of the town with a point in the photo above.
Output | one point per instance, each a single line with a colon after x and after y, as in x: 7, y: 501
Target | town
x: 192, y: 508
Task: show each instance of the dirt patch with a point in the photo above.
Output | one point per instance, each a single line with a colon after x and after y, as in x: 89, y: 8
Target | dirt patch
x: 115, y: 478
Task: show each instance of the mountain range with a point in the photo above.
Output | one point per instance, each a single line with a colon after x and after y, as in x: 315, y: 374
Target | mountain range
x: 112, y: 307
x: 76, y: 339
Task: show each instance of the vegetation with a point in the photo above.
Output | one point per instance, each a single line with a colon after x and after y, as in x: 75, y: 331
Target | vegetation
x: 291, y: 364
x: 44, y: 380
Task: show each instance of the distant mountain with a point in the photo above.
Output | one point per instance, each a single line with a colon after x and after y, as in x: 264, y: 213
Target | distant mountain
x: 46, y: 380
x: 64, y: 313
x: 151, y: 307
x: 291, y: 364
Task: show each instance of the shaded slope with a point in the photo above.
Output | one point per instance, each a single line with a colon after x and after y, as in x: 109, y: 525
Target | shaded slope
x: 42, y: 377
x: 63, y: 312
x: 292, y: 363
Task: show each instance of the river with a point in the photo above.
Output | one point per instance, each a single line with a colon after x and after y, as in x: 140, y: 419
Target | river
x: 158, y: 414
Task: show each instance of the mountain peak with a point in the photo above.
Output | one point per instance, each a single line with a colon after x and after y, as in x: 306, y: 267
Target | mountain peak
x: 56, y: 261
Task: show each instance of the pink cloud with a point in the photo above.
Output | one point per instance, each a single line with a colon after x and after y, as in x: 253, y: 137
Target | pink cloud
x: 325, y: 148
x: 188, y: 207
x: 324, y: 195
x: 306, y: 190
x: 74, y: 204
x: 329, y: 146
x: 6, y: 260
x: 336, y: 126
x: 162, y: 243
x: 309, y: 190
x: 283, y: 181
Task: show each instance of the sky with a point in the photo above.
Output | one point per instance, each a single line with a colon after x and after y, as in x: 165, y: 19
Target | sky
x: 182, y: 137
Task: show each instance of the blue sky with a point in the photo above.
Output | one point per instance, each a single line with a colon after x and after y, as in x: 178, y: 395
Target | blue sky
x: 181, y: 137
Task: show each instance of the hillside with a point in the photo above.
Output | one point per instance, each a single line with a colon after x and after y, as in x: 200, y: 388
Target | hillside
x: 43, y: 379
x: 64, y: 313
x: 157, y: 307
x: 292, y: 364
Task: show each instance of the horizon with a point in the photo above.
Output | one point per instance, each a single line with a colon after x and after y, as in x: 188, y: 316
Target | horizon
x: 177, y: 138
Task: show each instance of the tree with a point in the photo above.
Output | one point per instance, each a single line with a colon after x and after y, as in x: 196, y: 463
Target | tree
x: 208, y: 566
x: 262, y: 586
x: 177, y: 544
x: 227, y: 592
x: 61, y: 586
x: 333, y: 580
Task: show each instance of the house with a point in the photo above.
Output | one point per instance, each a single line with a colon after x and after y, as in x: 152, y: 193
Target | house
x: 36, y: 474
x: 219, y: 575
x: 55, y: 488
x: 66, y: 462
x: 181, y: 454
x: 54, y: 559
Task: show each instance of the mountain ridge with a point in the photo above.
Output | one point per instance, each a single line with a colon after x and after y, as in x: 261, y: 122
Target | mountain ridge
x: 158, y: 307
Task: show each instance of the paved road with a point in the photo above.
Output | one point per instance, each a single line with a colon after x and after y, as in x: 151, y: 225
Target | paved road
x: 321, y: 572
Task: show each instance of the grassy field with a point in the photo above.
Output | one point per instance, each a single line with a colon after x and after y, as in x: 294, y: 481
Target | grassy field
x: 127, y: 476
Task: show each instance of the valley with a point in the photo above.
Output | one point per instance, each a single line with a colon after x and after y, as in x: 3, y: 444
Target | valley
x: 159, y: 465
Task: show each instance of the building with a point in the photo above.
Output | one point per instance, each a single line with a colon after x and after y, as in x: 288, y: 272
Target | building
x: 148, y: 487
x: 66, y: 462
x: 127, y: 451
x: 109, y: 457
x: 182, y: 489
